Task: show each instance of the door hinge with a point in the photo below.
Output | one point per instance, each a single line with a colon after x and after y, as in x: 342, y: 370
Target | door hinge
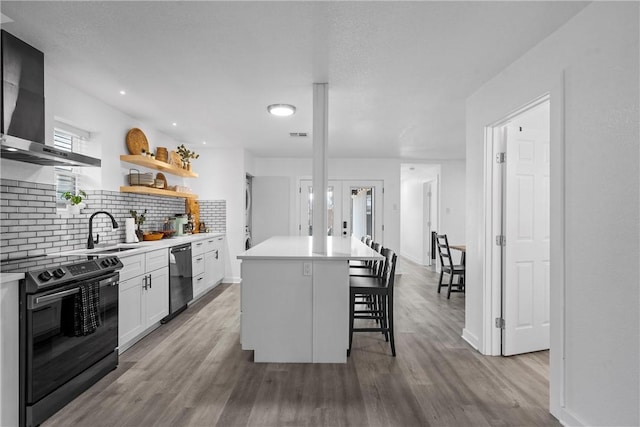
x: 382, y: 227
x: 501, y: 240
x: 499, y: 323
x: 500, y: 158
x: 382, y: 190
x: 300, y: 190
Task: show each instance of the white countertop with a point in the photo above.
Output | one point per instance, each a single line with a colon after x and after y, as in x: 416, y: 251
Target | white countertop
x: 139, y: 248
x: 300, y: 247
x: 144, y: 246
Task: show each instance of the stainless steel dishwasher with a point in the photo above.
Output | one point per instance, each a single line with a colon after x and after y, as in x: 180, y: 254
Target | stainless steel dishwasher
x: 180, y: 280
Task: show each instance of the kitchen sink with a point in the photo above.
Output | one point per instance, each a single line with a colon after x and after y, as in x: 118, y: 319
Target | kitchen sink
x: 113, y: 250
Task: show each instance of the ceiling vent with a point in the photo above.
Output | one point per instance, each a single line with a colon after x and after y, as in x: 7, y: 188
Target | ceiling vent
x: 302, y: 134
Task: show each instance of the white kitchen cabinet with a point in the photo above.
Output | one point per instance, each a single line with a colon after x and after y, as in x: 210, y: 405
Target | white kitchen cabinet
x: 208, y: 265
x: 143, y: 298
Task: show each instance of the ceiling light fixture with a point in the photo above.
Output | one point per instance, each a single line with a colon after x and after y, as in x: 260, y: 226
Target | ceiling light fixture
x: 204, y: 142
x: 122, y: 92
x: 174, y: 124
x: 282, y: 110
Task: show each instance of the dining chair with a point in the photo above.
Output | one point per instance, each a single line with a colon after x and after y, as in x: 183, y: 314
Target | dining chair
x: 380, y: 291
x: 447, y: 266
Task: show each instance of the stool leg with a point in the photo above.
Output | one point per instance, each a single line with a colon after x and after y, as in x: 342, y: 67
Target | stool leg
x: 440, y: 281
x: 390, y: 321
x: 385, y: 321
x: 352, y: 303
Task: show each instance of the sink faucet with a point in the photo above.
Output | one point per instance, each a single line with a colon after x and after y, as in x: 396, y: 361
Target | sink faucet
x: 90, y: 241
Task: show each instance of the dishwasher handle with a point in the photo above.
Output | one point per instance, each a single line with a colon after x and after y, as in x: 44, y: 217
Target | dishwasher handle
x: 177, y: 249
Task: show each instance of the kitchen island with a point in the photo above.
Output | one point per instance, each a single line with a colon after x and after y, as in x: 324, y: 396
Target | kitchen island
x: 294, y: 302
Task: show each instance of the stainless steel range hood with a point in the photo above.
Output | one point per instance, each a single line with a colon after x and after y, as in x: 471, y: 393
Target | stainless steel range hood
x: 22, y: 119
x: 22, y: 150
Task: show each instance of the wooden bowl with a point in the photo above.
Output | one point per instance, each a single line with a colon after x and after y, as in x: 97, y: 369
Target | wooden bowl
x: 153, y: 235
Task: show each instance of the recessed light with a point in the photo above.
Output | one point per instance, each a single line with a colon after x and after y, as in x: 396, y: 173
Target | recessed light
x: 122, y: 92
x: 174, y: 124
x: 282, y: 110
x: 204, y: 142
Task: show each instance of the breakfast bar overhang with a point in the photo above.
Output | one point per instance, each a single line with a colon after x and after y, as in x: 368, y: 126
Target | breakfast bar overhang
x: 294, y: 302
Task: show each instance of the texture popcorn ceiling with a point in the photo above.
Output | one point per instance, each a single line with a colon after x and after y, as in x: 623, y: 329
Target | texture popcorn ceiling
x: 30, y: 224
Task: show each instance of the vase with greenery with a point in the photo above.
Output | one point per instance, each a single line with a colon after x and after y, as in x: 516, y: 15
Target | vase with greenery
x: 186, y: 155
x: 75, y: 201
x: 139, y: 220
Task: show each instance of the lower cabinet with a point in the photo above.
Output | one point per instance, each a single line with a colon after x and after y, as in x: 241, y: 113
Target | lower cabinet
x: 213, y: 260
x: 144, y: 298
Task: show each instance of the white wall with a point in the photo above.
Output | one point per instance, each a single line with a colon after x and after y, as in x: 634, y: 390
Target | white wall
x: 363, y: 169
x: 594, y: 208
x: 108, y: 127
x: 271, y: 204
x: 222, y: 176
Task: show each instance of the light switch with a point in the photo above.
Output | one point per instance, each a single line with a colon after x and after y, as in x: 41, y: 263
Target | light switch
x: 307, y: 270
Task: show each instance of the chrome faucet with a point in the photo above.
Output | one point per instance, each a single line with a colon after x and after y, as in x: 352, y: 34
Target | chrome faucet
x: 90, y: 241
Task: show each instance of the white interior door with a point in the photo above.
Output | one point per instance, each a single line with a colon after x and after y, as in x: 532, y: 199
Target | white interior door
x: 427, y: 225
x: 526, y: 252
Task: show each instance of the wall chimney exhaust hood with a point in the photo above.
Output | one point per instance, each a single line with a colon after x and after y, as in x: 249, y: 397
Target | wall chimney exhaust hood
x: 22, y: 121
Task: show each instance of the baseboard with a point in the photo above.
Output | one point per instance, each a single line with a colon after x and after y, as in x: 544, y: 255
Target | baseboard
x: 566, y: 418
x: 471, y: 339
x: 232, y: 280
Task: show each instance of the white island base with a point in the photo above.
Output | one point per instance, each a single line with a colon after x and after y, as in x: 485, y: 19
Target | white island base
x: 295, y: 303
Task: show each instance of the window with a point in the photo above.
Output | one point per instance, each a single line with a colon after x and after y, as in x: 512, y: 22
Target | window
x: 66, y: 178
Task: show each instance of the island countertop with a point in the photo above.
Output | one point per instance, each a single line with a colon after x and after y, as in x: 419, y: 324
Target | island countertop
x: 301, y: 248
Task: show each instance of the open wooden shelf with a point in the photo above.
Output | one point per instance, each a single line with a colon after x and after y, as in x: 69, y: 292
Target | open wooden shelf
x: 141, y: 189
x: 145, y: 161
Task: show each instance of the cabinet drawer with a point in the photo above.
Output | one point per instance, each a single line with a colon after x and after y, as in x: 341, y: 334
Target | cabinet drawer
x: 197, y: 248
x: 157, y: 259
x: 197, y: 264
x: 198, y: 285
x: 133, y: 266
x: 213, y: 243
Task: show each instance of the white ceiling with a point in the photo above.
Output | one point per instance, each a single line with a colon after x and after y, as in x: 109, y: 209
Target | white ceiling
x: 398, y: 72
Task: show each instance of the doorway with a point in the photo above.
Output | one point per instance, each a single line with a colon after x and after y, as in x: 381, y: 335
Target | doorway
x: 520, y: 222
x: 354, y: 208
x: 419, y: 211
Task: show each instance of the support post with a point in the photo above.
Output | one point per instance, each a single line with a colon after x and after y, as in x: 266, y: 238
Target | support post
x: 319, y: 183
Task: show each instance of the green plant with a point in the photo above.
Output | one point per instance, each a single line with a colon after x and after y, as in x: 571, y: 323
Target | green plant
x: 75, y: 199
x: 186, y: 154
x: 139, y: 219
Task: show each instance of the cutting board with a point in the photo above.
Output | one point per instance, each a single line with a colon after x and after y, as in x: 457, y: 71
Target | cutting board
x: 193, y: 208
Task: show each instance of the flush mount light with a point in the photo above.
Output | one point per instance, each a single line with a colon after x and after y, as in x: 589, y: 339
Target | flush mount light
x: 282, y: 110
x: 174, y: 124
x: 204, y: 142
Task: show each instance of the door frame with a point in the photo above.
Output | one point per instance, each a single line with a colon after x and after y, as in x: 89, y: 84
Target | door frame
x: 493, y: 182
x: 379, y: 217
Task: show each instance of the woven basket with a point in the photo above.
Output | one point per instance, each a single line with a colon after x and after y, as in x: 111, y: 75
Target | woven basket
x: 162, y: 154
x: 137, y: 141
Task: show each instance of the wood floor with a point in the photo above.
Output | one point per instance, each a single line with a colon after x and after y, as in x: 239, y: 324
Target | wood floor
x: 192, y: 372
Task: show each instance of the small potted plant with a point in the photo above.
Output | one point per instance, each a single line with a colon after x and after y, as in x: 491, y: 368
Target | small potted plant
x: 186, y: 155
x: 74, y: 201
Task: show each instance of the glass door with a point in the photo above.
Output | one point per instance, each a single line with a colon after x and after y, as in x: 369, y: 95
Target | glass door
x: 354, y: 208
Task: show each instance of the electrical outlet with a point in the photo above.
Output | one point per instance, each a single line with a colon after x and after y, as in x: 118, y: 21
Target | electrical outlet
x: 307, y: 270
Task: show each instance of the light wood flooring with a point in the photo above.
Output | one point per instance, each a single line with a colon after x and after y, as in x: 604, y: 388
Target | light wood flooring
x: 192, y: 372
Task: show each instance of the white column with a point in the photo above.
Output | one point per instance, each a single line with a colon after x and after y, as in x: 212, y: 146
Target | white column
x: 319, y: 183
